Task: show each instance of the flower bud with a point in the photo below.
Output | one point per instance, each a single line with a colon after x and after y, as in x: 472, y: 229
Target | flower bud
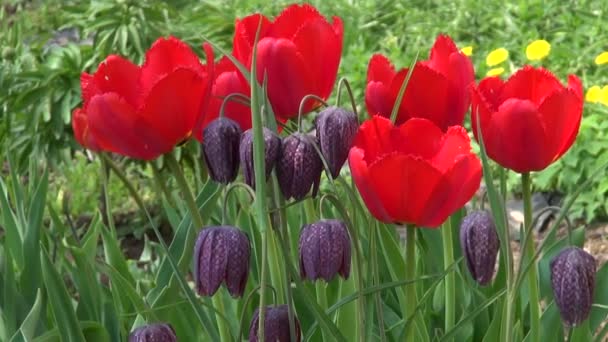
x: 573, y: 282
x: 336, y: 130
x: 221, y: 254
x: 272, y: 147
x: 480, y: 244
x: 324, y: 250
x: 299, y: 166
x: 276, y: 325
x: 157, y: 332
x: 221, y: 140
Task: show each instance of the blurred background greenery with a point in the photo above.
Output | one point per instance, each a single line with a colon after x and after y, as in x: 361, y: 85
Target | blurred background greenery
x: 46, y: 44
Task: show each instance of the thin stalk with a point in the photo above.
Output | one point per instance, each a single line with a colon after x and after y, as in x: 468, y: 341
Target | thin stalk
x: 450, y: 281
x: 198, y: 222
x: 376, y: 282
x: 322, y: 300
x: 158, y: 179
x: 200, y: 314
x: 410, y: 274
x: 534, y: 299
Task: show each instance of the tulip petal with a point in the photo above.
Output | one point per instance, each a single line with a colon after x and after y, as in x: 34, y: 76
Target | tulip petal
x: 403, y: 185
x: 173, y: 105
x: 532, y: 84
x: 244, y: 36
x: 516, y: 137
x: 561, y: 112
x: 289, y: 77
x: 489, y: 89
x: 165, y: 56
x: 80, y: 126
x: 360, y: 172
x: 229, y: 81
x: 441, y: 54
x: 321, y: 48
x: 457, y: 186
x: 292, y: 19
x: 422, y: 103
x: 417, y: 137
x: 374, y: 137
x: 378, y: 99
x: 380, y: 69
x: 117, y: 128
x: 461, y: 75
x: 114, y: 75
x: 454, y: 144
x: 575, y: 84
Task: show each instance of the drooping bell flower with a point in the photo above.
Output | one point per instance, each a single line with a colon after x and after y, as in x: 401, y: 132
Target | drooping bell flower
x: 299, y: 166
x: 437, y: 90
x: 143, y: 112
x: 529, y: 121
x: 276, y: 325
x: 336, y: 129
x: 324, y: 250
x: 221, y: 140
x: 479, y: 243
x: 221, y: 254
x: 227, y: 80
x: 413, y: 173
x: 157, y: 332
x: 272, y: 149
x: 573, y: 283
x: 299, y: 52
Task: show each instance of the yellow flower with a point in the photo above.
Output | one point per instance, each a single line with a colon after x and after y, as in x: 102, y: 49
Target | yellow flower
x: 594, y: 94
x: 602, y: 58
x: 538, y: 50
x: 497, y: 56
x: 495, y: 71
x: 467, y: 50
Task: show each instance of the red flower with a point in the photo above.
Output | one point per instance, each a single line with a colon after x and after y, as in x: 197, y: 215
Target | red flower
x: 437, y: 90
x: 299, y: 52
x: 143, y: 112
x: 228, y: 80
x: 529, y: 121
x: 413, y: 173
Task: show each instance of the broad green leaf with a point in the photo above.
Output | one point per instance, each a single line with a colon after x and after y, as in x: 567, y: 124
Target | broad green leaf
x: 90, y: 331
x: 60, y: 302
x: 31, y: 323
x: 600, y: 314
x: 114, y: 256
x: 11, y: 227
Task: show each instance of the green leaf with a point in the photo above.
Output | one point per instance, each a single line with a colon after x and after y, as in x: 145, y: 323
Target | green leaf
x: 90, y: 331
x: 599, y: 314
x: 114, y: 256
x: 31, y: 323
x: 60, y: 302
x: 11, y: 228
x: 549, y: 321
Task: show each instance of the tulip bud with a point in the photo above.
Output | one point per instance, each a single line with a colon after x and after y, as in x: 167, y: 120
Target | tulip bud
x: 336, y: 130
x: 221, y: 140
x: 272, y: 147
x: 299, y: 166
x: 324, y: 250
x: 276, y: 325
x: 480, y: 244
x: 573, y: 282
x: 157, y: 332
x: 221, y: 254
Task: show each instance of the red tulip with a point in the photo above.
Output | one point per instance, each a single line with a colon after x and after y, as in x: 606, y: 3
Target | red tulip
x: 299, y: 52
x: 413, y: 173
x: 529, y: 121
x: 143, y: 112
x: 437, y: 89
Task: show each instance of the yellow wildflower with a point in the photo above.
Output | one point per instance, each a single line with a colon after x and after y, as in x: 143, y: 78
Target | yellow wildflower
x: 604, y: 96
x: 602, y: 58
x: 538, y: 50
x: 594, y: 94
x: 497, y: 56
x: 467, y: 50
x: 495, y: 71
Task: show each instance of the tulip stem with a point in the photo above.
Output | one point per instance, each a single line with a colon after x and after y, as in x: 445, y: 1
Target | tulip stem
x: 197, y: 219
x: 528, y: 252
x: 448, y: 260
x: 410, y: 274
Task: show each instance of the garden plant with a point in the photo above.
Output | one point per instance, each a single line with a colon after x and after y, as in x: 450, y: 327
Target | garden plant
x: 232, y: 175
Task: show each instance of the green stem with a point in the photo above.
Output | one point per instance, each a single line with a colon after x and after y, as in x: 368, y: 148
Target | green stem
x: 322, y: 300
x: 376, y: 281
x: 158, y: 179
x: 200, y: 314
x: 410, y: 274
x: 197, y: 219
x: 534, y: 299
x: 195, y: 214
x: 448, y: 260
